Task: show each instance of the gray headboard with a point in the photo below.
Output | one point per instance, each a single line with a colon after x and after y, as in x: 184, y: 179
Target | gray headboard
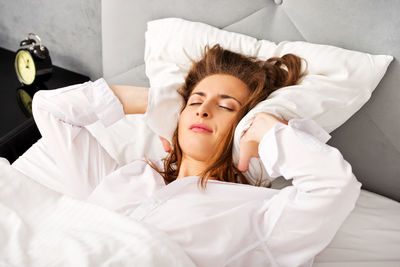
x: 370, y: 140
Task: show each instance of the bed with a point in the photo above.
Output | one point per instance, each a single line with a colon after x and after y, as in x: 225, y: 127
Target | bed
x: 370, y: 236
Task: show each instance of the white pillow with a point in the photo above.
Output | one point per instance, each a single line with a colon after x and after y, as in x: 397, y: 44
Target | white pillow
x: 338, y: 83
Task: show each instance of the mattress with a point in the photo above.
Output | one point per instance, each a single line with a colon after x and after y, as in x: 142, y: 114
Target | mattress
x: 370, y: 236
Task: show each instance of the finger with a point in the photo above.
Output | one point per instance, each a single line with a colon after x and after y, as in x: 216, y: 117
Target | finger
x: 166, y: 144
x: 247, y: 150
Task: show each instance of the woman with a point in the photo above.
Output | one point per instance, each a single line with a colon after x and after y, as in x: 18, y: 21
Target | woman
x: 231, y: 223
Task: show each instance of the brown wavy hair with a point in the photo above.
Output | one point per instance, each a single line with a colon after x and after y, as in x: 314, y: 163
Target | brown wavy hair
x: 261, y: 77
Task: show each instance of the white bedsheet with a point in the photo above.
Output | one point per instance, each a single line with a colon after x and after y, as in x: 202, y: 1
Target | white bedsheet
x: 370, y: 236
x: 40, y: 227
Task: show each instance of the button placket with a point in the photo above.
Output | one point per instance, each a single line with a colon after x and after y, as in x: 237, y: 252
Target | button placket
x: 146, y: 208
x: 159, y: 197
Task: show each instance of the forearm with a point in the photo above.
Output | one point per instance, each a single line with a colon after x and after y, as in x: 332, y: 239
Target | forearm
x: 263, y: 123
x: 134, y: 99
x: 323, y: 194
x: 62, y: 116
x: 81, y: 104
x: 293, y: 152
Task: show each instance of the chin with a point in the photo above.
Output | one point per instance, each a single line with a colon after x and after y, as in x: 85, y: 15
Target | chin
x: 196, y: 150
x: 196, y: 145
x: 199, y: 153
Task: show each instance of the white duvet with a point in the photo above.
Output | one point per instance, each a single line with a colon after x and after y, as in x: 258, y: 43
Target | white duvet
x: 40, y: 227
x: 93, y: 236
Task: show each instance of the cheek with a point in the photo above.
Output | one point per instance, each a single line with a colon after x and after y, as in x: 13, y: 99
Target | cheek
x: 183, y: 120
x: 183, y: 125
x: 225, y: 123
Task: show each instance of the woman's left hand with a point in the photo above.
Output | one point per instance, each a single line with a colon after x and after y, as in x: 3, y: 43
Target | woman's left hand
x: 249, y: 142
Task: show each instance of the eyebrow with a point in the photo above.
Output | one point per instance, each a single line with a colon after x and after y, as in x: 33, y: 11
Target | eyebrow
x: 220, y: 95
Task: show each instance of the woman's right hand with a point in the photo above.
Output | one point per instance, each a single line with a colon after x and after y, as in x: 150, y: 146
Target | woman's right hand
x: 249, y: 142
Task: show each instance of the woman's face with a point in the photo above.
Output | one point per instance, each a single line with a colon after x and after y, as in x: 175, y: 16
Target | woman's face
x: 209, y: 114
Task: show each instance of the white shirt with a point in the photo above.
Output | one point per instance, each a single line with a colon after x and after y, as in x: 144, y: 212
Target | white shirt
x: 228, y: 225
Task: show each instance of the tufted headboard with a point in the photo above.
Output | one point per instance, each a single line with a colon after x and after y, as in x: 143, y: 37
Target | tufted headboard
x: 369, y: 141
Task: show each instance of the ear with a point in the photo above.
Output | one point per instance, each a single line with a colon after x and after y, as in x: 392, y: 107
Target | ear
x: 166, y: 144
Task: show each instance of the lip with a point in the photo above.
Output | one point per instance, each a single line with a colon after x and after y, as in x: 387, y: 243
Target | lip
x: 200, y: 128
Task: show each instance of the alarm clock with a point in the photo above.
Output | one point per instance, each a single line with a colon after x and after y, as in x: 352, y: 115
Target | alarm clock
x: 32, y: 61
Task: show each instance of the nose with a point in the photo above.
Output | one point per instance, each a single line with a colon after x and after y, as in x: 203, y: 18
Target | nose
x: 203, y: 111
x: 202, y: 114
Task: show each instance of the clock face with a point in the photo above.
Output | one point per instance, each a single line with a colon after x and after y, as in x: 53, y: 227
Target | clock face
x: 25, y: 67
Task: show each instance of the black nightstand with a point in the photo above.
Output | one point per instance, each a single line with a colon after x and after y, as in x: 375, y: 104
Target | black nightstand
x: 18, y: 130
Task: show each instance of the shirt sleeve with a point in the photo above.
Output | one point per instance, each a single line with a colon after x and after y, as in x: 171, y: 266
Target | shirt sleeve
x: 302, y: 219
x: 62, y: 116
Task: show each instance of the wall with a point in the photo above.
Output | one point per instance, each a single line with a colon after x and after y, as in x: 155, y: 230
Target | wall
x: 70, y: 29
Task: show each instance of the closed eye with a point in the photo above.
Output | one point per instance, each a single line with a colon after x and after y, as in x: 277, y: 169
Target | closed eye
x: 229, y: 109
x: 198, y: 103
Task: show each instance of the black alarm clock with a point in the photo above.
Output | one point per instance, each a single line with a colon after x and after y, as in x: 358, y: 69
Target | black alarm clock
x: 32, y: 61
